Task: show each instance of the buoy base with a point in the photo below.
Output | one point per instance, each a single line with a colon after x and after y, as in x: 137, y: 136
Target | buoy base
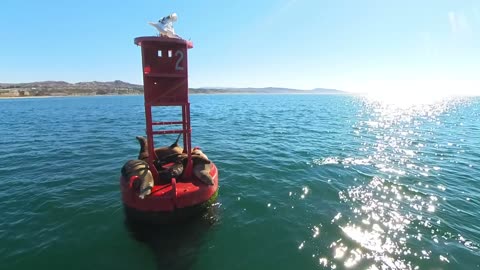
x: 167, y: 217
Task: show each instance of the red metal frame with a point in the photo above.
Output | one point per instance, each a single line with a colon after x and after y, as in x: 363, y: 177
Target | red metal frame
x: 165, y: 79
x: 168, y: 197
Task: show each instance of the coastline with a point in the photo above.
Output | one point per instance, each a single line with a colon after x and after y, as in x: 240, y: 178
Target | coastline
x: 65, y: 96
x: 119, y: 88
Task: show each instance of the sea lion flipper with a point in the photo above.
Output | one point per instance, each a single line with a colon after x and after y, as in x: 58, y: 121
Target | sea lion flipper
x: 175, y: 144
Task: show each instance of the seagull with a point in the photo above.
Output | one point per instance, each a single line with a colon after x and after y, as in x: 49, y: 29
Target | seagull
x: 165, y: 26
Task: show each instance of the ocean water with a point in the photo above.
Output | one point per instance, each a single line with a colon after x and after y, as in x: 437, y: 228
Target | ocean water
x: 306, y: 182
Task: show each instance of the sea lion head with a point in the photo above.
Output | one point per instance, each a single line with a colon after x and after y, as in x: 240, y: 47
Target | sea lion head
x: 197, y: 152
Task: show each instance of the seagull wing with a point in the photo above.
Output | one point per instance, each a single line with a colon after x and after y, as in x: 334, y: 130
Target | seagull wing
x: 158, y: 26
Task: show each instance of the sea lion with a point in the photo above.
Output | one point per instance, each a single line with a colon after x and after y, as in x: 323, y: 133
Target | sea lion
x: 163, y: 154
x: 137, y: 173
x: 174, y: 154
x: 202, y: 166
x: 174, y: 170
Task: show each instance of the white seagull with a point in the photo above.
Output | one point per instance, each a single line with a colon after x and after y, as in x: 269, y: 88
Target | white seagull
x: 165, y: 26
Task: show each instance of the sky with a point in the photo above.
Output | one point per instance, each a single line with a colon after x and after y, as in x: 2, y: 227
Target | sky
x: 355, y: 45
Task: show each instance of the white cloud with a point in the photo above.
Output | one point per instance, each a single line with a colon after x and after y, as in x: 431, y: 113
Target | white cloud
x: 429, y: 47
x: 452, y: 19
x: 458, y: 23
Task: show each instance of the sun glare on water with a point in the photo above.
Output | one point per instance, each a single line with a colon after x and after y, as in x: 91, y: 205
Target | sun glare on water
x: 392, y: 213
x: 421, y: 92
x: 408, y: 99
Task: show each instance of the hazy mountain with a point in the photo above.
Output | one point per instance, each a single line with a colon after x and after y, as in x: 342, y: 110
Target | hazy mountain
x: 328, y: 91
x: 265, y: 90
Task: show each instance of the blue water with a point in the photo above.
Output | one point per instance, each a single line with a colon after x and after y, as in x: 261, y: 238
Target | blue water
x: 307, y: 182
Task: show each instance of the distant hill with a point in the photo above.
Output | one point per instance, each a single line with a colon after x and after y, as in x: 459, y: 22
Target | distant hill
x: 61, y: 88
x: 328, y: 91
x: 266, y: 90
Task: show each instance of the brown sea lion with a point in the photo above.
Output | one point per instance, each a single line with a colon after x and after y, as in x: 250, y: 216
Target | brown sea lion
x: 174, y: 170
x: 163, y: 154
x: 201, y: 166
x: 139, y: 177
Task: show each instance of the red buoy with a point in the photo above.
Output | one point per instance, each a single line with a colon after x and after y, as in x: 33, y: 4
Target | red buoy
x: 165, y: 79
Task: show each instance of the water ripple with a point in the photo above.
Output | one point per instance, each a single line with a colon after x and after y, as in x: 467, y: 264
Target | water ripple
x: 307, y: 182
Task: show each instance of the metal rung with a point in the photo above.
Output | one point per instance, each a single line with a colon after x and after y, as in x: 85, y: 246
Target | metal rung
x: 167, y: 123
x: 177, y: 131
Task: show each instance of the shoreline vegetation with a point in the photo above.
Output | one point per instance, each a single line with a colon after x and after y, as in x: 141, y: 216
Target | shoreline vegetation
x: 62, y: 89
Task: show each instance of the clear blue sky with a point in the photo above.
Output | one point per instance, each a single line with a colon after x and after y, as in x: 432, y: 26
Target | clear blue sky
x: 352, y: 45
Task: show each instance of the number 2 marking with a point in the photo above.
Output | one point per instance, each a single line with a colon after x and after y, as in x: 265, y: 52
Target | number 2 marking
x: 179, y: 60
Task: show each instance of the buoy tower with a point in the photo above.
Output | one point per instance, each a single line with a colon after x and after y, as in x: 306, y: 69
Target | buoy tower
x: 165, y: 83
x: 165, y: 79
